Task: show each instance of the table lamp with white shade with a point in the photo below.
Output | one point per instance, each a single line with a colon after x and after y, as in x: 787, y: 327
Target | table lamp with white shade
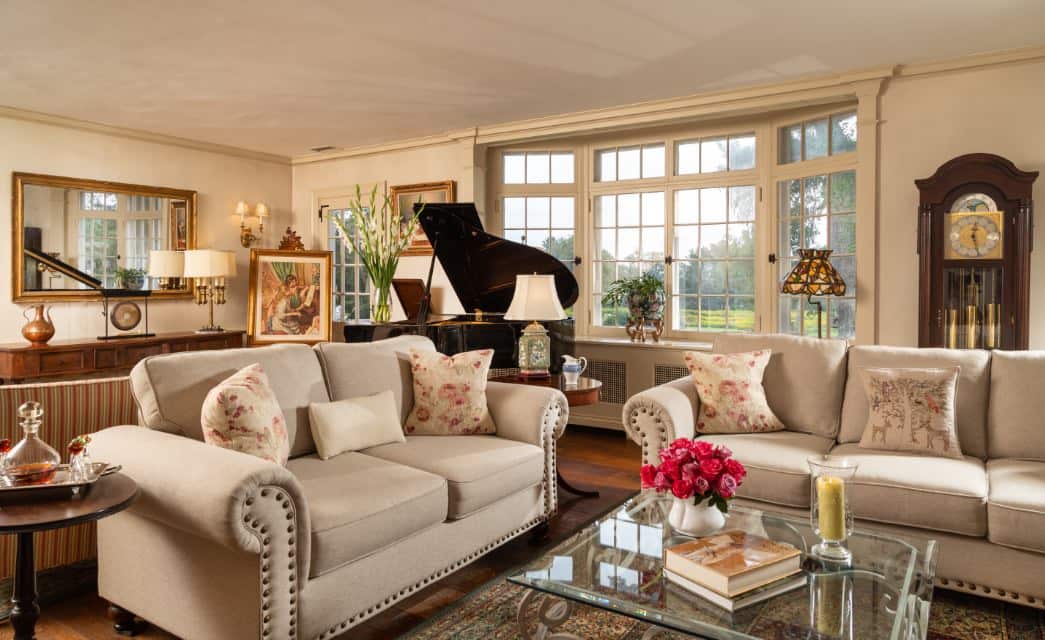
x: 209, y: 268
x: 537, y: 300
x: 168, y: 267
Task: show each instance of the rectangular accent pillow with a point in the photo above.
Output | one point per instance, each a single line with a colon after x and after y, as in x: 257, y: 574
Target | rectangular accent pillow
x: 241, y: 413
x: 450, y: 394
x: 355, y: 423
x: 732, y: 399
x: 912, y: 410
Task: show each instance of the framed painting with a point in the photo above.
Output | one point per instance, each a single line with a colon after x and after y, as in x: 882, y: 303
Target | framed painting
x: 179, y: 225
x: 405, y: 195
x: 290, y: 296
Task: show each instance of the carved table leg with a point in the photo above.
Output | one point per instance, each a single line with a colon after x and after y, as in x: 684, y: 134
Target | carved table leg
x: 540, y: 614
x: 25, y: 611
x: 584, y: 493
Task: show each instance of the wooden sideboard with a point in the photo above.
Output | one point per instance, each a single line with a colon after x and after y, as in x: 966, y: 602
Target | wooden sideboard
x: 72, y: 359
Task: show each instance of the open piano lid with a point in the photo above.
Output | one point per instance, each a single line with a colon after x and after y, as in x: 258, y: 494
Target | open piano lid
x: 482, y: 267
x: 60, y: 266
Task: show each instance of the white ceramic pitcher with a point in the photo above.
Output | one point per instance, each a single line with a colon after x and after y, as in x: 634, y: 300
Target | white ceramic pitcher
x: 572, y: 368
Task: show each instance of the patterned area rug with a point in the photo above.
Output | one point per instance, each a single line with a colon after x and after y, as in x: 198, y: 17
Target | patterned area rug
x: 489, y: 613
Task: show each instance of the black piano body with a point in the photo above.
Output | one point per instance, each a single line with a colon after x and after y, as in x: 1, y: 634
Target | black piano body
x: 481, y: 268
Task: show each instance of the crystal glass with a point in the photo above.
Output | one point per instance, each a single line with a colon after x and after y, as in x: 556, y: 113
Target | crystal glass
x: 80, y: 467
x: 31, y: 461
x: 830, y: 515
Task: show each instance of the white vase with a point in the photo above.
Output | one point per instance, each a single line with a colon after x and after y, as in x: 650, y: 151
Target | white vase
x: 695, y: 520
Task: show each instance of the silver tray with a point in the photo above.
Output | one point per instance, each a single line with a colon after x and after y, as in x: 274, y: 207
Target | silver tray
x: 61, y: 485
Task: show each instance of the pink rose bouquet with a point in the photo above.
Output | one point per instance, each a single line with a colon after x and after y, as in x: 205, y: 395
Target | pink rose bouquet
x: 697, y: 470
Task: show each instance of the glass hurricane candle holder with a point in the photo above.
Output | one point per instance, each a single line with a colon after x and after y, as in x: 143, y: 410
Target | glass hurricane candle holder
x: 31, y: 461
x: 831, y: 516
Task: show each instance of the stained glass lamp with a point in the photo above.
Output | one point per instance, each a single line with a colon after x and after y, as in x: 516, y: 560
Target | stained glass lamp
x: 814, y: 275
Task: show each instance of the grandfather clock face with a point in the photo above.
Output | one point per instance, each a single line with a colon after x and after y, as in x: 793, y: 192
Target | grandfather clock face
x: 974, y: 229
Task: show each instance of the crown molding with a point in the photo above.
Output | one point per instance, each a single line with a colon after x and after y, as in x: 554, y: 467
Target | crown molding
x: 450, y: 137
x: 136, y: 134
x: 994, y: 58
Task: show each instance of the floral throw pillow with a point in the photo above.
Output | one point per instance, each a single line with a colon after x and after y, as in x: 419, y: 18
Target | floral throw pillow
x: 449, y: 394
x: 242, y: 414
x: 732, y: 399
x: 912, y: 410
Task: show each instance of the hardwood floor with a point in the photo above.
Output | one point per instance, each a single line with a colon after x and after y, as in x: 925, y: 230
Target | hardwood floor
x: 588, y: 458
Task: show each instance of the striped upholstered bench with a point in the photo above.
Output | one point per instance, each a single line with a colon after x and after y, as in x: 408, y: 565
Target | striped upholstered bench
x: 70, y: 409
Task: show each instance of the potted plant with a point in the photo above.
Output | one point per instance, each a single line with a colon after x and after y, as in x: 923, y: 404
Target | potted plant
x: 702, y: 477
x: 130, y: 278
x: 644, y: 297
x: 378, y: 233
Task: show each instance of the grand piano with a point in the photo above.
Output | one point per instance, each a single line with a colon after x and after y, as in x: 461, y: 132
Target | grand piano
x: 481, y: 268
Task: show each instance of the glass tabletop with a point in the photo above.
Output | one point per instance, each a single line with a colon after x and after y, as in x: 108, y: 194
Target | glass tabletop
x: 616, y: 563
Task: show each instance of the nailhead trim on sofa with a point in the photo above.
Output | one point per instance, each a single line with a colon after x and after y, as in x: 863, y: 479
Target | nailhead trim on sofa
x: 271, y: 614
x: 990, y: 592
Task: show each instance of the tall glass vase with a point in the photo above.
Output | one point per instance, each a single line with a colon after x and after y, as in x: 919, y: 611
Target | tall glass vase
x: 830, y: 514
x: 382, y: 311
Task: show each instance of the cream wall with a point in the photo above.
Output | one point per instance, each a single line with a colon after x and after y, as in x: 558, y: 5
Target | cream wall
x: 338, y: 177
x: 220, y: 179
x: 927, y: 120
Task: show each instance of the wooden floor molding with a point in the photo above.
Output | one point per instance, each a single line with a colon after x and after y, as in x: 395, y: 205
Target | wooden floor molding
x: 595, y: 458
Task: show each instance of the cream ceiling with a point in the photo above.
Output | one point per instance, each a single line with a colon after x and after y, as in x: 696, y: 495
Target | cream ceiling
x: 285, y: 76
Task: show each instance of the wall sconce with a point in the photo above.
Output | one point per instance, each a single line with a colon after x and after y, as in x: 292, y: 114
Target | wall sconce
x: 261, y: 211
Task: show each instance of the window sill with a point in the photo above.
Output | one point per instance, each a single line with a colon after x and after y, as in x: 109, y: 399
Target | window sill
x: 664, y: 344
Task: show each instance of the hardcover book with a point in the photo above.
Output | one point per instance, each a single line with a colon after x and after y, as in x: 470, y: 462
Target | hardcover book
x: 732, y: 562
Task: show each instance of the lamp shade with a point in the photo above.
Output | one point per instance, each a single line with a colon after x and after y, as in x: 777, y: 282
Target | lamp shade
x: 535, y: 299
x: 166, y: 264
x: 814, y: 275
x: 208, y: 263
x: 242, y: 208
x: 261, y: 210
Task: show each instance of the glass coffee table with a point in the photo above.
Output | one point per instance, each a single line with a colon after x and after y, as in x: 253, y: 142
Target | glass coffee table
x: 616, y: 564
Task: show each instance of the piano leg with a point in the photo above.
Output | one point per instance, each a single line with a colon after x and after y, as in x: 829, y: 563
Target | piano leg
x: 564, y: 484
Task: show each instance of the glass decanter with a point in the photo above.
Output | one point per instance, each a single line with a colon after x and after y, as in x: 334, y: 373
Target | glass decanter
x: 31, y: 461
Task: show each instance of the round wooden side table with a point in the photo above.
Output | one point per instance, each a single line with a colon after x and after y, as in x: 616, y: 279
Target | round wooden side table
x: 105, y: 497
x: 585, y: 392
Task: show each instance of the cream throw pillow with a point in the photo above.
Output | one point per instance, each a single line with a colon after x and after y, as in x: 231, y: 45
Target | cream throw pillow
x: 450, y: 394
x: 354, y: 424
x: 732, y: 399
x: 912, y: 410
x: 242, y: 414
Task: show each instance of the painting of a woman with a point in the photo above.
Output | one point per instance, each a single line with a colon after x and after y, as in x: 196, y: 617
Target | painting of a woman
x: 290, y: 296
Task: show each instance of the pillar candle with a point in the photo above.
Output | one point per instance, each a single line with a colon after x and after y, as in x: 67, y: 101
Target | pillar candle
x: 830, y: 496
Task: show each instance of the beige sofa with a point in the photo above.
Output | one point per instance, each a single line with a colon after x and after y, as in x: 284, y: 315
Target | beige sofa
x: 224, y: 545
x: 986, y: 509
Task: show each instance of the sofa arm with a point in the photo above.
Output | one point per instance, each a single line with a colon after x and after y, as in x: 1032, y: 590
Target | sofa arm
x: 535, y: 415
x: 655, y: 417
x: 230, y: 498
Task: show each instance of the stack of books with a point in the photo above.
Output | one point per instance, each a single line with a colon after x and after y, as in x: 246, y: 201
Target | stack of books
x: 734, y: 569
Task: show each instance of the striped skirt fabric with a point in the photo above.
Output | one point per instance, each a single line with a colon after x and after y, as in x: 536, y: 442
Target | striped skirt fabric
x: 70, y: 409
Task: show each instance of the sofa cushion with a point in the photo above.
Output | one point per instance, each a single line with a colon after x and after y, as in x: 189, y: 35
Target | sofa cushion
x: 1016, y: 505
x: 776, y: 465
x: 803, y: 381
x: 480, y: 470
x: 732, y: 398
x: 911, y: 410
x: 170, y: 389
x: 358, y: 504
x: 241, y: 414
x: 1017, y: 405
x: 930, y: 492
x: 362, y: 369
x: 971, y: 398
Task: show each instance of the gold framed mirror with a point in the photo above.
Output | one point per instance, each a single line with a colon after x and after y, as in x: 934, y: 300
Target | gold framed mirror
x: 73, y: 237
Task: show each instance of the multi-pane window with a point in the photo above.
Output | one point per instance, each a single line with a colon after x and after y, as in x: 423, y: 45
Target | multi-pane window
x: 142, y: 236
x: 543, y: 222
x: 98, y: 201
x: 351, y: 283
x: 714, y: 259
x: 144, y: 204
x: 98, y: 248
x: 629, y: 163
x: 629, y: 241
x: 711, y: 155
x: 819, y: 212
x: 539, y: 167
x: 818, y: 138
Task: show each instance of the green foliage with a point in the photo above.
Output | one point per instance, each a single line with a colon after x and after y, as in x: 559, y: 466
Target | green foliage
x: 648, y: 285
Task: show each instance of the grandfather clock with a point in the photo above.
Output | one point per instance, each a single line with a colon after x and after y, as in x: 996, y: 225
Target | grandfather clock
x: 975, y: 221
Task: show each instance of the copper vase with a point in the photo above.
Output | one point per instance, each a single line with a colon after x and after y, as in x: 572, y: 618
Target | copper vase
x: 40, y: 329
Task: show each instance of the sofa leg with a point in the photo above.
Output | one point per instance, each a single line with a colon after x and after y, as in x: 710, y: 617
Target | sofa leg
x: 124, y: 622
x: 539, y: 534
